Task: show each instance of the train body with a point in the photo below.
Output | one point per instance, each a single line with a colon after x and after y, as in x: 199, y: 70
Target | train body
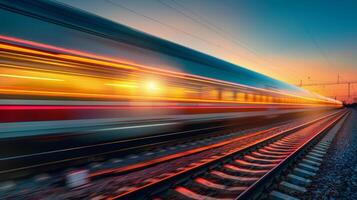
x: 62, y: 67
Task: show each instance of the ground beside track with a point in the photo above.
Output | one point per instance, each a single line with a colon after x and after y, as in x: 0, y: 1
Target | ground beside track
x: 337, y: 177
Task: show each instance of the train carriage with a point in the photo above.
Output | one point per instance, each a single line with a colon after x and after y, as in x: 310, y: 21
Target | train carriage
x: 89, y: 68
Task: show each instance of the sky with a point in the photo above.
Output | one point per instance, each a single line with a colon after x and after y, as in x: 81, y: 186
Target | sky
x: 308, y: 41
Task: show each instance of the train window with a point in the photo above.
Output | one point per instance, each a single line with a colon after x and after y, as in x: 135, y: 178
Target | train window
x: 227, y: 95
x: 192, y: 93
x: 264, y: 98
x: 210, y: 93
x: 258, y: 98
x: 176, y: 92
x: 240, y: 97
x: 250, y: 97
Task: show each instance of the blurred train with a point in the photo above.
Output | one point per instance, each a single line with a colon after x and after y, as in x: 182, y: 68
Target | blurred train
x: 63, y: 67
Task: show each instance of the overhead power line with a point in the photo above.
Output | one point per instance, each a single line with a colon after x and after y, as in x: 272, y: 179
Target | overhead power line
x: 117, y: 4
x: 221, y: 32
x: 218, y: 32
x: 311, y: 37
x: 173, y: 27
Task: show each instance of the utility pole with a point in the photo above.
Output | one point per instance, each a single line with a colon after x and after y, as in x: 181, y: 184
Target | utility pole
x: 338, y: 78
x: 339, y: 82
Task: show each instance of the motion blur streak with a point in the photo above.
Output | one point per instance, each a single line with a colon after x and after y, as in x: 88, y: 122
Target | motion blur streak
x: 45, y: 73
x: 95, y: 80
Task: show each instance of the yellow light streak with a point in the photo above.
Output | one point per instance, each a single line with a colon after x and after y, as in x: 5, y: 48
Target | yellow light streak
x: 30, y: 77
x: 124, y: 85
x: 152, y: 88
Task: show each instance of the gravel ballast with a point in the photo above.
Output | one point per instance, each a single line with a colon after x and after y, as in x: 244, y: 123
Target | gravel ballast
x: 337, y: 177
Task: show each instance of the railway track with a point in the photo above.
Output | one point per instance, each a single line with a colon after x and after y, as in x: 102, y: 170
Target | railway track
x: 240, y: 173
x: 213, y: 170
x: 24, y: 164
x: 294, y: 182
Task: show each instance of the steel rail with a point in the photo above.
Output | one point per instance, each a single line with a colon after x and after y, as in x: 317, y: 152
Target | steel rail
x: 257, y: 188
x: 180, y: 177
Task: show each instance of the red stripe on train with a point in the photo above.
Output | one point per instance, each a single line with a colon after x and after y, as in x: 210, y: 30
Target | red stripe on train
x: 22, y: 113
